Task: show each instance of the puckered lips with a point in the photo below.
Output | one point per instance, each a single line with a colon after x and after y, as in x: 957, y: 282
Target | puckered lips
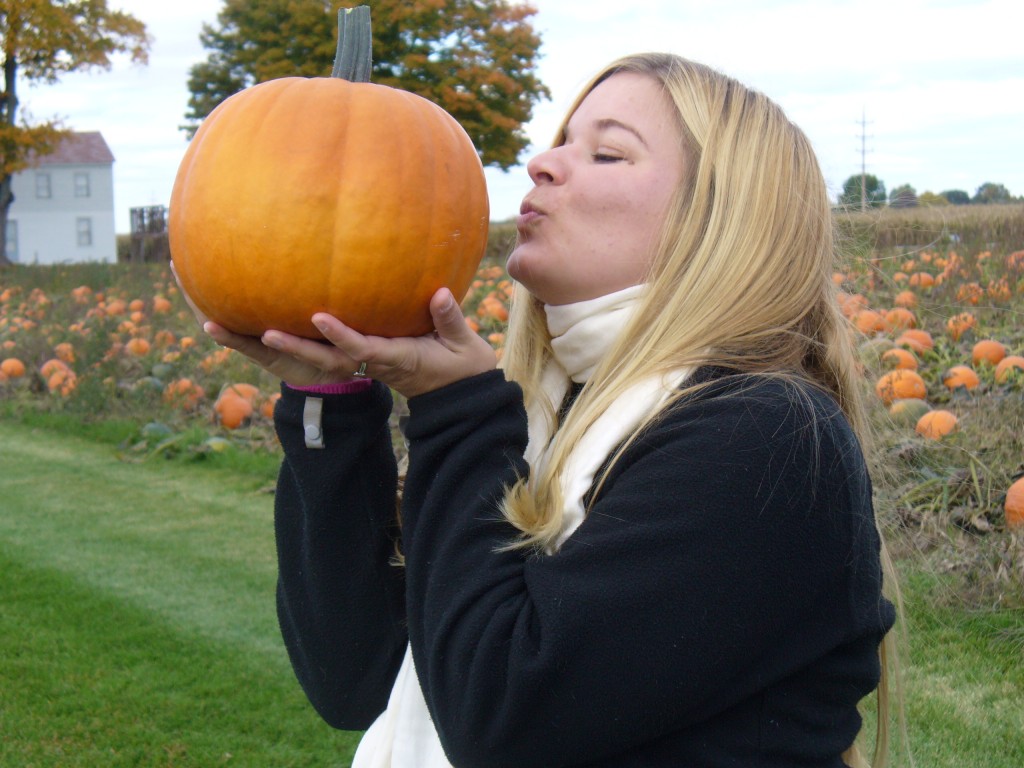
x: 528, y: 214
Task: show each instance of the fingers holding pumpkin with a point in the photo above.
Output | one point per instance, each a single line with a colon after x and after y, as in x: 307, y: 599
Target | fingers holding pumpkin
x: 315, y: 361
x: 414, y: 365
x: 278, y: 360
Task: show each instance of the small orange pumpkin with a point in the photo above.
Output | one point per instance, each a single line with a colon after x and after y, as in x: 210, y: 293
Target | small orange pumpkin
x: 492, y: 308
x: 898, y: 357
x: 906, y: 299
x: 62, y: 381
x: 959, y: 324
x: 183, y: 393
x: 13, y: 368
x: 899, y: 385
x: 936, y: 424
x: 137, y: 346
x: 960, y: 376
x: 900, y: 317
x: 65, y: 351
x: 246, y: 391
x: 851, y: 303
x: 233, y: 410
x: 267, y: 406
x: 116, y: 307
x: 922, y: 280
x: 1009, y: 365
x: 868, y: 321
x: 917, y: 339
x: 1014, y: 504
x: 51, y: 366
x: 970, y: 293
x: 988, y: 351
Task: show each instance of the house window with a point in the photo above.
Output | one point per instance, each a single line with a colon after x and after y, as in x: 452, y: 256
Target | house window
x: 81, y: 185
x: 11, y: 246
x: 84, y: 231
x: 43, y: 185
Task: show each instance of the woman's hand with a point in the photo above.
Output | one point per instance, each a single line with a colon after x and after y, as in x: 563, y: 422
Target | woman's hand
x: 411, y: 366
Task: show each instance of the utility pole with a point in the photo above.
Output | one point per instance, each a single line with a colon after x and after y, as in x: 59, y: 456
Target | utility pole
x: 863, y: 161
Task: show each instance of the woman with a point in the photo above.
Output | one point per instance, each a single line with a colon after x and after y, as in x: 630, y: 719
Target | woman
x: 649, y: 539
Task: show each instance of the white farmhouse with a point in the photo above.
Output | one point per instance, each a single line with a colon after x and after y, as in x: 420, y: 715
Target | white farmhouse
x: 63, y: 208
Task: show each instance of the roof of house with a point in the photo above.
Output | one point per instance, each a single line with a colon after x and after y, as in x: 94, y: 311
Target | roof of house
x: 80, y: 148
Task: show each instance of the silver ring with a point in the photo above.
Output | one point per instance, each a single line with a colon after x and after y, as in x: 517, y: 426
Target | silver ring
x: 361, y: 373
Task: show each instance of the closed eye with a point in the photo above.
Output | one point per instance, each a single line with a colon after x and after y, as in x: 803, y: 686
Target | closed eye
x: 599, y: 157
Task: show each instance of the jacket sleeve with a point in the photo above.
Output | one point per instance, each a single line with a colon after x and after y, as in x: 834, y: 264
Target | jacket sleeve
x: 340, y: 600
x: 733, y: 545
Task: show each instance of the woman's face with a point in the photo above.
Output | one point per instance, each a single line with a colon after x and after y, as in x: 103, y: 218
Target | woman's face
x: 590, y: 224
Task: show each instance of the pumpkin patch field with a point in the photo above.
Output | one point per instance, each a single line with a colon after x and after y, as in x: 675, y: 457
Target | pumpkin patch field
x: 138, y: 468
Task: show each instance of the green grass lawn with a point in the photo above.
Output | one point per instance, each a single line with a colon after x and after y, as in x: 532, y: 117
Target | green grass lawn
x: 137, y: 624
x: 964, y: 678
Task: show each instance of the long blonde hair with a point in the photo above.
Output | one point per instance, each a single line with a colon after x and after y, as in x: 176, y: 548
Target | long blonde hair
x: 740, y: 277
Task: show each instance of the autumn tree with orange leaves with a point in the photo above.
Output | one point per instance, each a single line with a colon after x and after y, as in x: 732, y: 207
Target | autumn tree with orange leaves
x: 40, y: 40
x: 474, y: 58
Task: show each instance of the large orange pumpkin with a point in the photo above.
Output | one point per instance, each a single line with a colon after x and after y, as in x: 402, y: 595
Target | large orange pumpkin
x: 301, y: 195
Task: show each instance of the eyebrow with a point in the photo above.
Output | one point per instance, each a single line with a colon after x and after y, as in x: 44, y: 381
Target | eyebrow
x: 607, y: 123
x: 610, y: 122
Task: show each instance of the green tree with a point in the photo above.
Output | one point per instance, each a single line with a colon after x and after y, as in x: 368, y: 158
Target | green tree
x: 931, y: 199
x: 474, y: 58
x: 42, y: 40
x: 903, y: 196
x: 990, y: 192
x: 956, y: 196
x: 874, y: 192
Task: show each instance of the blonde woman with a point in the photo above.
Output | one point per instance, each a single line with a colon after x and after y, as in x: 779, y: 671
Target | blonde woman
x: 648, y: 540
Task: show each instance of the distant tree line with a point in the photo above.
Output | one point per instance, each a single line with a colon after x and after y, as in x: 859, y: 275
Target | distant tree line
x: 872, y: 190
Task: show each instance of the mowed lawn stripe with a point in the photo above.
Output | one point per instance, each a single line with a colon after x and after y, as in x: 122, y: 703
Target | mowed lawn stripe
x: 195, y: 548
x: 87, y: 680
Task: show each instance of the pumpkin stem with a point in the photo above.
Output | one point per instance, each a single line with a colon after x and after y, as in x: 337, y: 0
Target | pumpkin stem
x: 354, y: 56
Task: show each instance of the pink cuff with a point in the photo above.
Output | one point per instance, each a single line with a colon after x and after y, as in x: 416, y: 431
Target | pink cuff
x: 338, y: 388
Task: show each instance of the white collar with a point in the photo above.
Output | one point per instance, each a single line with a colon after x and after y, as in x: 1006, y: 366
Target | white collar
x: 582, y: 332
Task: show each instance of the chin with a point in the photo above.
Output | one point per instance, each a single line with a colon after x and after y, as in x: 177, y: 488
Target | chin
x: 515, y: 268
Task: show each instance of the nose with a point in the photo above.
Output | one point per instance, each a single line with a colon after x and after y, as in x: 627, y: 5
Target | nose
x: 547, y: 167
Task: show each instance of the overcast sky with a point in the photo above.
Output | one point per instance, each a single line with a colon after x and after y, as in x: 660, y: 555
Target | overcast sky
x: 939, y: 82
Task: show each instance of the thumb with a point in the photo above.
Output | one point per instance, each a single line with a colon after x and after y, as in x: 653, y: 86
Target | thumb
x: 447, y: 315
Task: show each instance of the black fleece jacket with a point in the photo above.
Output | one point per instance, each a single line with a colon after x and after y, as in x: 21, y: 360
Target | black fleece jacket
x: 720, y: 606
